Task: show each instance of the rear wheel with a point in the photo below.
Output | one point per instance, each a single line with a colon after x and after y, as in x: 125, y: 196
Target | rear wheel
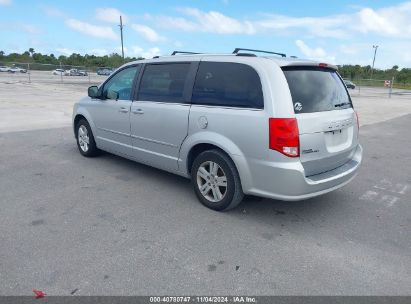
x: 216, y: 181
x: 85, y: 139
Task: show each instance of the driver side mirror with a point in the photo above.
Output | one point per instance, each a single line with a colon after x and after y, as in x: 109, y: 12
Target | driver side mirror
x: 93, y: 92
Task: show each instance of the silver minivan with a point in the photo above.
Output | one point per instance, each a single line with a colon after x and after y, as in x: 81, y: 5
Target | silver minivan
x: 269, y: 126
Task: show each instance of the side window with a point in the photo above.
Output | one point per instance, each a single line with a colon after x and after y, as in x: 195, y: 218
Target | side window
x: 163, y: 82
x: 121, y: 83
x: 227, y: 84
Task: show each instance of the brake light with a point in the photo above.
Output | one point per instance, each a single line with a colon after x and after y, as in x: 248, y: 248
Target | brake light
x: 284, y: 137
x: 323, y: 65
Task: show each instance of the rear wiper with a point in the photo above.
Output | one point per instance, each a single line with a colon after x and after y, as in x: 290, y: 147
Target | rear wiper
x: 342, y: 104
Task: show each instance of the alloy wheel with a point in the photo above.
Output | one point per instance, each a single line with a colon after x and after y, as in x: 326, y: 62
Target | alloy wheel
x: 83, y: 138
x: 212, y: 181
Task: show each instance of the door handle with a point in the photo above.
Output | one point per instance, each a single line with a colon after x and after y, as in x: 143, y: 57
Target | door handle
x: 123, y: 110
x: 138, y: 111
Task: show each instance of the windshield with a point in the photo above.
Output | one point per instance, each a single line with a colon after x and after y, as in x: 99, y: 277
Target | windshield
x: 316, y: 89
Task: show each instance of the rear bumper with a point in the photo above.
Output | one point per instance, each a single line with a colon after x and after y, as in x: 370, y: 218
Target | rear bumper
x: 287, y: 181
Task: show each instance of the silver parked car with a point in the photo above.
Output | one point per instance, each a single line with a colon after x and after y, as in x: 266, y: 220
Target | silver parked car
x: 275, y: 127
x: 349, y: 84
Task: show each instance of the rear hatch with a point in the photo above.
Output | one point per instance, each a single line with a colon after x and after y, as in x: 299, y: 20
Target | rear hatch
x: 326, y: 119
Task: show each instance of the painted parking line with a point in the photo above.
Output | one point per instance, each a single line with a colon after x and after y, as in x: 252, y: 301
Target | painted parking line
x: 379, y: 194
x: 369, y: 196
x: 387, y: 200
x: 391, y: 187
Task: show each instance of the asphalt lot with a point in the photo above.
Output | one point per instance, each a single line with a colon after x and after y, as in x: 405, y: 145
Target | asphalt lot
x: 108, y: 226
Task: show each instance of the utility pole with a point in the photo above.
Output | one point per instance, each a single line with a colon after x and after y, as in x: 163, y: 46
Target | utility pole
x: 121, y: 32
x: 375, y: 47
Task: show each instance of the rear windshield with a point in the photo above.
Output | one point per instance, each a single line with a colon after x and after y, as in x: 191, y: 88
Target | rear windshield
x: 316, y: 89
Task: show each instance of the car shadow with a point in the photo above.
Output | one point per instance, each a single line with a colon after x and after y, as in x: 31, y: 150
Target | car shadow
x: 251, y: 208
x: 309, y: 211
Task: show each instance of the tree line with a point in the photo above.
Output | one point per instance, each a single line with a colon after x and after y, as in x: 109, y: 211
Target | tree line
x: 91, y: 61
x: 355, y: 72
x: 352, y: 72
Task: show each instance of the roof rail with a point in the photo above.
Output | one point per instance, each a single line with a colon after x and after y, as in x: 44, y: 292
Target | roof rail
x: 182, y: 52
x: 246, y: 54
x: 258, y: 51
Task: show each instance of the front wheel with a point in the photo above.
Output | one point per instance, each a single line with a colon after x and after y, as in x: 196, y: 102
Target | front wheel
x: 85, y: 139
x: 216, y: 181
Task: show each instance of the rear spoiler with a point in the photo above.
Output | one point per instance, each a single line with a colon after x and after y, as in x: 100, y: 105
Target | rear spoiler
x: 304, y: 63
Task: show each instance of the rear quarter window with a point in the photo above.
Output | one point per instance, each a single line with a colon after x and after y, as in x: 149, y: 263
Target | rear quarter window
x: 227, y: 84
x: 316, y: 89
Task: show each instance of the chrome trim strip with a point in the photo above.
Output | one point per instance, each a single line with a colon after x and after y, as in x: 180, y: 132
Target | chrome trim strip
x: 139, y: 137
x: 154, y: 141
x: 114, y: 142
x: 115, y: 132
x: 154, y: 153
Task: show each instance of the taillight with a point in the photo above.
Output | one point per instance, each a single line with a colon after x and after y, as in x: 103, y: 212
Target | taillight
x: 284, y: 136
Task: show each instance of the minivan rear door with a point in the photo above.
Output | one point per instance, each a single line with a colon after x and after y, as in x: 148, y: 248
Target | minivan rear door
x: 326, y: 119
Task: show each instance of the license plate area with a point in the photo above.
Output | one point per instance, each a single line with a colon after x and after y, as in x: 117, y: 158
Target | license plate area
x: 338, y: 140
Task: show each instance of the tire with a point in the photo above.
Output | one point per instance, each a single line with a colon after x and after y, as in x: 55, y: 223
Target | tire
x: 85, y: 139
x: 210, y: 190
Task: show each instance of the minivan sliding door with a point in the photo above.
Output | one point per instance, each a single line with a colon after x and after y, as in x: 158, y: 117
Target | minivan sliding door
x: 159, y: 115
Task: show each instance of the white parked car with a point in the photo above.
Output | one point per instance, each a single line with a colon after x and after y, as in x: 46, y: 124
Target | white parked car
x: 59, y: 72
x: 4, y: 68
x: 17, y: 70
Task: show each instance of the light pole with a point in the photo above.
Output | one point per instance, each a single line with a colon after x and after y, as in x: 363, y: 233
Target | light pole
x: 121, y: 32
x: 375, y: 47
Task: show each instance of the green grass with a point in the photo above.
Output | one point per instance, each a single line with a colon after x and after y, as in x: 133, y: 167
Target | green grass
x: 406, y: 86
x: 369, y: 83
x: 380, y: 84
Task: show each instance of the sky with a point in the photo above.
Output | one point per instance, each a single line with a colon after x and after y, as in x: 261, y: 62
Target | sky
x: 338, y: 32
